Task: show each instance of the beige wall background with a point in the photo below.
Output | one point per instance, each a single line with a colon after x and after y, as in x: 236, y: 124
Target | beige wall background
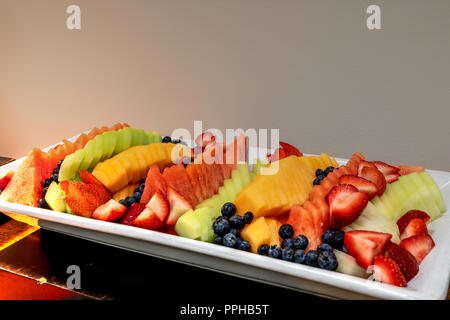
x: 310, y: 68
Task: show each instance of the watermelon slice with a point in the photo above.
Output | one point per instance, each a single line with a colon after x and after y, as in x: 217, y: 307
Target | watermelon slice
x: 153, y: 183
x: 177, y: 178
x: 25, y: 186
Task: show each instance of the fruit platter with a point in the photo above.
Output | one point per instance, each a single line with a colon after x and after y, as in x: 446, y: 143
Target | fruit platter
x: 341, y: 228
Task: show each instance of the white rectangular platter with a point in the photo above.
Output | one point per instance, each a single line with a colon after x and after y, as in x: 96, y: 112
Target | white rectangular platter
x: 432, y: 281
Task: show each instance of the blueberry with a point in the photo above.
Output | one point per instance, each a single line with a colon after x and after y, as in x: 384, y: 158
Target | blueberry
x: 344, y: 249
x: 329, y: 170
x: 287, y: 254
x: 141, y: 188
x: 263, y: 250
x: 56, y: 171
x: 324, y: 247
x: 327, y: 236
x: 137, y: 195
x: 238, y: 240
x: 123, y: 202
x: 247, y: 218
x: 130, y: 201
x: 176, y: 141
x: 299, y: 256
x: 47, y: 182
x: 229, y: 240
x: 311, y: 258
x: 60, y: 163
x: 335, y: 238
x: 300, y: 242
x: 321, y: 177
x: 317, y: 182
x: 319, y: 172
x: 338, y: 239
x: 166, y: 140
x: 236, y: 222
x: 42, y: 204
x: 235, y: 232
x: 244, y: 246
x: 218, y: 240
x: 143, y: 181
x: 286, y: 231
x: 327, y: 260
x: 44, y: 191
x: 287, y: 243
x: 221, y: 226
x: 54, y: 177
x: 275, y: 252
x: 228, y: 209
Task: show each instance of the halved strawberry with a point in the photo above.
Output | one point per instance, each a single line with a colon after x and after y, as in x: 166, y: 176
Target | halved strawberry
x: 387, y: 271
x: 132, y: 213
x: 385, y: 168
x: 364, y: 164
x: 89, y: 178
x: 391, y: 178
x: 159, y: 205
x: 204, y: 139
x: 5, y: 180
x: 404, y: 170
x: 110, y: 211
x: 405, y: 260
x: 148, y: 219
x: 419, y: 246
x: 415, y: 227
x: 346, y: 204
x: 365, y: 245
x: 361, y: 184
x: 290, y: 149
x: 407, y: 217
x: 84, y: 198
x: 374, y: 175
x: 178, y: 206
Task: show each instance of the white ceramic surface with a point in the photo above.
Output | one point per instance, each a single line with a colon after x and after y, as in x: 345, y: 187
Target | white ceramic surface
x: 431, y: 283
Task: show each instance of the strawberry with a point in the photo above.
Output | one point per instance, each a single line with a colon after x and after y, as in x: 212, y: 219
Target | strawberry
x: 159, y: 205
x: 387, y: 271
x: 84, y: 198
x: 418, y: 246
x: 290, y: 149
x: 110, y: 211
x: 415, y: 227
x: 5, y: 180
x: 391, y: 178
x: 385, y: 168
x: 148, y: 219
x: 407, y: 217
x: 204, y: 139
x: 346, y: 204
x: 178, y: 206
x: 361, y: 184
x: 365, y: 245
x: 405, y: 260
x: 277, y: 155
x: 132, y: 213
x: 374, y: 175
x: 364, y: 164
x: 404, y: 170
x: 88, y: 178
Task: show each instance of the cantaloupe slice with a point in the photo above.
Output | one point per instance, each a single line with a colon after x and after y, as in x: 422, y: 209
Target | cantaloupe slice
x: 272, y: 195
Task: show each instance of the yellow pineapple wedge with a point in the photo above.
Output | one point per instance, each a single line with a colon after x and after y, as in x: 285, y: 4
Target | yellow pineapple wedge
x: 273, y: 195
x: 131, y: 165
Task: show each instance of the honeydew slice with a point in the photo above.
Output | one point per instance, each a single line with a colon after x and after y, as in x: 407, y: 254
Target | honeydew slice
x: 109, y: 144
x: 434, y: 189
